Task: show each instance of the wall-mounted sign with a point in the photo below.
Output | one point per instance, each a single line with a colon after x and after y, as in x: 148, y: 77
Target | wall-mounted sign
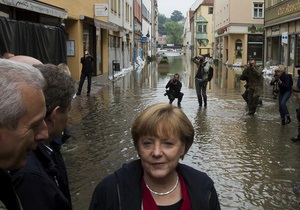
x: 101, y: 10
x: 284, y: 38
x: 143, y: 38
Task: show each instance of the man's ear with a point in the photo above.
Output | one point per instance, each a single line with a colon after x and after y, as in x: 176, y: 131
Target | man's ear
x: 53, y: 115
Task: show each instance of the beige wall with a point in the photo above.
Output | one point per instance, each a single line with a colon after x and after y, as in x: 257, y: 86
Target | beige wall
x: 234, y: 12
x: 232, y: 18
x: 221, y: 17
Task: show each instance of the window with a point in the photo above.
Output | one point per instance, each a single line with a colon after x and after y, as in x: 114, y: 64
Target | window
x: 292, y: 50
x: 258, y: 10
x: 210, y: 10
x: 201, y: 29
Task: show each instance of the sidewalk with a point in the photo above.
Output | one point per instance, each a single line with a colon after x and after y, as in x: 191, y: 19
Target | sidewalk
x: 101, y: 79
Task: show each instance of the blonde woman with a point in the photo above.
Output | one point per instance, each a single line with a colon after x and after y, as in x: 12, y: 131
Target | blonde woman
x: 162, y: 134
x: 285, y: 85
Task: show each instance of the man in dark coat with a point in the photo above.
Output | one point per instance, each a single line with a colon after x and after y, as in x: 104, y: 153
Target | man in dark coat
x: 42, y: 183
x: 253, y: 75
x: 174, y: 86
x: 22, y: 125
x: 86, y: 71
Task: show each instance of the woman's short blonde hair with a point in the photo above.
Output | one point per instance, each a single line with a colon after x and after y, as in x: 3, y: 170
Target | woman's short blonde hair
x: 161, y: 120
x: 280, y: 68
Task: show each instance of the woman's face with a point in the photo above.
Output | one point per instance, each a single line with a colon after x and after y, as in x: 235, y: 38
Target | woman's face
x: 277, y: 72
x: 160, y: 155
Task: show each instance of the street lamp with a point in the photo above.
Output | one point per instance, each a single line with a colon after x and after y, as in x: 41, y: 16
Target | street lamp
x: 253, y: 29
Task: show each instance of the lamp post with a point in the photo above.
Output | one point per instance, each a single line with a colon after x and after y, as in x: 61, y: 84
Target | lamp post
x: 253, y: 29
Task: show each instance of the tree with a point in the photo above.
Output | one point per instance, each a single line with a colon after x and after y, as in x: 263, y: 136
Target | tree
x: 174, y: 31
x: 161, y: 21
x: 176, y: 16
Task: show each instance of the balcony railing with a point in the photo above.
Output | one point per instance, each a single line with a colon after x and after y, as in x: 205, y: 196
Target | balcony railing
x: 201, y: 36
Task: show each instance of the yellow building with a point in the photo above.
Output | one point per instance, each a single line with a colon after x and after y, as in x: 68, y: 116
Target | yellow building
x: 104, y: 27
x: 238, y: 27
x: 202, y: 28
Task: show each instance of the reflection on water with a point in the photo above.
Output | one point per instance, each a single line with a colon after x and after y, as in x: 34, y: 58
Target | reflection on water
x: 252, y: 161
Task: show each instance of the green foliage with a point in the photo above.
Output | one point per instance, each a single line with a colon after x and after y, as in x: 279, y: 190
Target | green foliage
x: 161, y: 21
x: 174, y: 32
x: 176, y: 16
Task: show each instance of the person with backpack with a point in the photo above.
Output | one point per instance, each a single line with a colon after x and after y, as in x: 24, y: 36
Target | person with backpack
x: 203, y: 76
x: 285, y: 84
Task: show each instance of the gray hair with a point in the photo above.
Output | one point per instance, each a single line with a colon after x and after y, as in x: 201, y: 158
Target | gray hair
x: 13, y: 77
x: 60, y: 87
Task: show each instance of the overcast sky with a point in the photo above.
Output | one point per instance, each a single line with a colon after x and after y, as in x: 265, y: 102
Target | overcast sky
x: 166, y: 7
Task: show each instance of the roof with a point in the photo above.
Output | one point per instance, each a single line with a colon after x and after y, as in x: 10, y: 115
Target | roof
x: 208, y: 2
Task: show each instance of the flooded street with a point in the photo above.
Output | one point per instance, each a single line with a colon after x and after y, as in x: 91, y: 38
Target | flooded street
x: 251, y: 159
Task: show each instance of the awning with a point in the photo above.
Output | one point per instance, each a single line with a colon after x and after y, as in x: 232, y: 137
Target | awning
x: 36, y: 6
x: 108, y: 26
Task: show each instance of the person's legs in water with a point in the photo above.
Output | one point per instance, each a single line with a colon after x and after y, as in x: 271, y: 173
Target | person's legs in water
x: 171, y: 97
x: 284, y: 112
x: 198, y: 91
x: 179, y: 96
x: 204, y: 85
x: 297, y: 138
x: 89, y: 76
x: 82, y: 78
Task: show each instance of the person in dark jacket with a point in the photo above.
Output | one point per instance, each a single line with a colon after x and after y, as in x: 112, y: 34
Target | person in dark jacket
x: 86, y: 71
x: 285, y: 91
x: 162, y: 134
x: 22, y: 125
x: 296, y: 91
x: 174, y: 86
x: 253, y: 76
x: 203, y: 76
x: 42, y: 183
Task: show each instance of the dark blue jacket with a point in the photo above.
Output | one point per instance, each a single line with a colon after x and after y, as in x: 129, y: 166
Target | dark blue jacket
x: 7, y: 193
x: 174, y: 87
x: 87, y: 64
x: 286, y: 84
x: 36, y: 184
x: 123, y: 189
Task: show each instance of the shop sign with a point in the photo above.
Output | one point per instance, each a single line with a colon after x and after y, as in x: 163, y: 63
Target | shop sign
x: 101, y: 10
x: 143, y: 38
x: 289, y: 8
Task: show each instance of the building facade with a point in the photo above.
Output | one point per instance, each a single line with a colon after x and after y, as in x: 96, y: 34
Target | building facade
x: 282, y: 33
x: 57, y: 31
x: 239, y: 31
x: 202, y: 28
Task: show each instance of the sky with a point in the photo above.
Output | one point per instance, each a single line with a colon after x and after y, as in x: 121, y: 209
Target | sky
x: 166, y: 7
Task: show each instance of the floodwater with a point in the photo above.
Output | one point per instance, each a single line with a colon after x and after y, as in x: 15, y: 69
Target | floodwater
x: 251, y: 159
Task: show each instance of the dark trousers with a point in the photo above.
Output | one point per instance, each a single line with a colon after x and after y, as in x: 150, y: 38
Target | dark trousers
x: 283, y: 110
x: 82, y: 78
x: 172, y: 95
x: 201, y: 91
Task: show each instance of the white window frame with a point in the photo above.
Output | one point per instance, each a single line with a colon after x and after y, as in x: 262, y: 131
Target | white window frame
x: 259, y: 9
